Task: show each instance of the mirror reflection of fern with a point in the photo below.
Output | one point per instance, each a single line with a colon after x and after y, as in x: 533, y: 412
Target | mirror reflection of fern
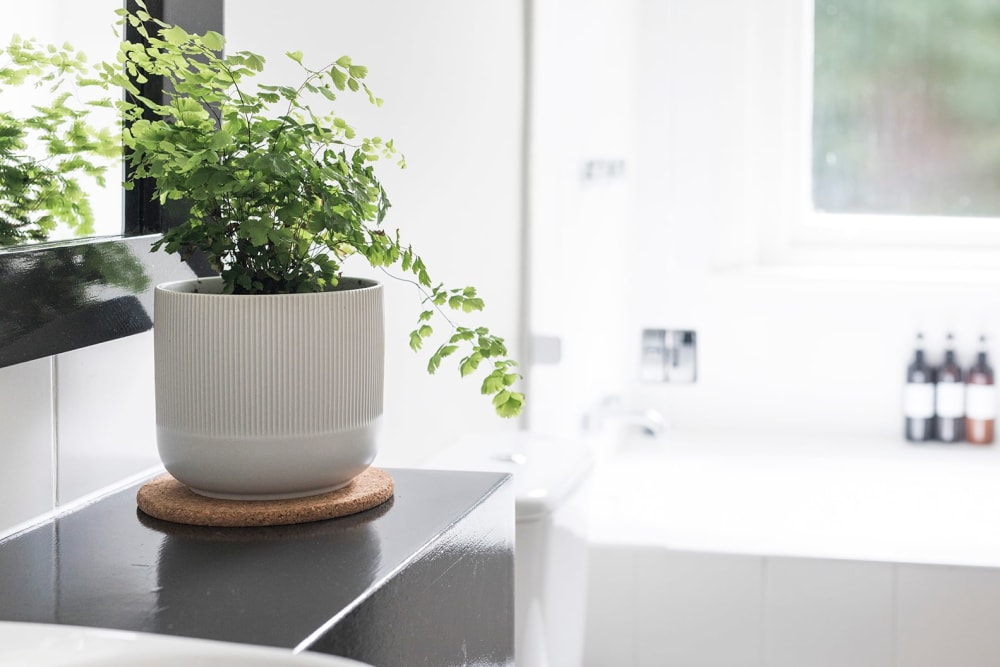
x: 48, y: 151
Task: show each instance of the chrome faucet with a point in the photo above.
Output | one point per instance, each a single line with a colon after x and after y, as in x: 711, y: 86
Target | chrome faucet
x: 649, y: 421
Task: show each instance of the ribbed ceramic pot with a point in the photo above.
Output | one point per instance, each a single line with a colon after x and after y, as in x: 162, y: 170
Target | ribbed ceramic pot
x: 268, y: 396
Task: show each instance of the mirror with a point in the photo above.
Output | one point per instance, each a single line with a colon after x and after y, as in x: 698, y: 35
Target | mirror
x: 79, y: 291
x: 88, y: 27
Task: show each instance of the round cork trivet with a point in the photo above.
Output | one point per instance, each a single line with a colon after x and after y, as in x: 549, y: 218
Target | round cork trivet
x: 167, y: 499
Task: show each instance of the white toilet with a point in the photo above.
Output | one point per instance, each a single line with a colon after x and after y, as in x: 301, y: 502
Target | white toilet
x: 550, y: 553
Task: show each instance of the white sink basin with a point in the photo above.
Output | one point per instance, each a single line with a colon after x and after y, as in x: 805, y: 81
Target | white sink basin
x: 45, y: 645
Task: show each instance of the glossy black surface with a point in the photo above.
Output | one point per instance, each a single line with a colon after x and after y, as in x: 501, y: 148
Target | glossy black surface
x: 62, y: 297
x: 426, y: 579
x: 452, y: 605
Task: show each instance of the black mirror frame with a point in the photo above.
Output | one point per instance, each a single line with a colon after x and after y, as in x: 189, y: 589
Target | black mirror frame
x: 60, y: 297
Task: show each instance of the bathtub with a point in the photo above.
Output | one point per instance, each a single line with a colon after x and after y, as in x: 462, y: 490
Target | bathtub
x: 716, y: 549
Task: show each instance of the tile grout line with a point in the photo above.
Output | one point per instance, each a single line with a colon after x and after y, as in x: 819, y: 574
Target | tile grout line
x: 524, y: 288
x: 762, y: 629
x: 894, y: 625
x: 633, y: 606
x: 54, y: 426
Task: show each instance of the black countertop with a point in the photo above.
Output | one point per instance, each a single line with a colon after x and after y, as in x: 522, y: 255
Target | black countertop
x: 426, y: 578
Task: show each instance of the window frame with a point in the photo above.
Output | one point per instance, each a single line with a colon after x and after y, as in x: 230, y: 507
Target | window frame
x: 798, y: 234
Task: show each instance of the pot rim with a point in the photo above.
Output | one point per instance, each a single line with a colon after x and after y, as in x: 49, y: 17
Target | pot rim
x: 213, y: 284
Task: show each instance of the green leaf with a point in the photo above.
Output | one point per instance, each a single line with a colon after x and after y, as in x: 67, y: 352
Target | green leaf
x: 213, y: 40
x: 327, y: 93
x: 295, y: 55
x: 256, y: 230
x: 254, y: 61
x: 199, y: 177
x: 462, y: 335
x: 339, y: 79
x: 511, y: 404
x: 492, y: 383
x: 174, y: 35
x: 426, y: 315
x: 471, y: 305
x: 470, y: 363
x: 433, y: 363
x: 220, y: 140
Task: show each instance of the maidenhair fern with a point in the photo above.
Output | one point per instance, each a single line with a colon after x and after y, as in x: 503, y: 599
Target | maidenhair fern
x: 281, y: 189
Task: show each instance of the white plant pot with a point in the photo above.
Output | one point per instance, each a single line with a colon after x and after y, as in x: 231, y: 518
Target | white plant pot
x: 268, y: 396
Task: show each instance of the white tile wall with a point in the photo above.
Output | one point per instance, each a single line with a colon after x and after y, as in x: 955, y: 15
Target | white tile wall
x: 73, y: 424
x: 825, y: 613
x: 611, y: 590
x: 26, y: 442
x: 650, y: 606
x: 947, y: 616
x: 106, y: 416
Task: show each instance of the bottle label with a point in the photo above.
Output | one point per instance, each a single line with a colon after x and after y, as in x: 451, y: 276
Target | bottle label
x: 918, y: 400
x: 950, y: 399
x: 980, y: 401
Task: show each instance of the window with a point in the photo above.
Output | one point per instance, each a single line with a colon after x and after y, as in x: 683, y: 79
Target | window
x: 884, y: 120
x: 906, y: 107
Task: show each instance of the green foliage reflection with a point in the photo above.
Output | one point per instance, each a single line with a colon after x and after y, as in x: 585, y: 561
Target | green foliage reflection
x: 907, y: 106
x: 47, y: 152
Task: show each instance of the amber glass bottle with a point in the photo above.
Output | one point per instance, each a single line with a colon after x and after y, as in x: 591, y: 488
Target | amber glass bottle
x: 980, y: 399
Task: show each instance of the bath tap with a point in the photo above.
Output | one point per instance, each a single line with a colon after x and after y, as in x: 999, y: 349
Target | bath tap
x: 649, y: 421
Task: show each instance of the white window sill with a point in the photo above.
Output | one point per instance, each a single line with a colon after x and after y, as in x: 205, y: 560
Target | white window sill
x: 867, y: 274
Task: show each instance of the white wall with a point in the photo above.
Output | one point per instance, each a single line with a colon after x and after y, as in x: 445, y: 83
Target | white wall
x: 74, y: 424
x: 581, y: 241
x: 668, y: 608
x: 450, y: 73
x: 451, y: 76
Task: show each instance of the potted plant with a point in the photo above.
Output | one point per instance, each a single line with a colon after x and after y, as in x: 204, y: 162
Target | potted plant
x: 269, y: 377
x: 46, y: 153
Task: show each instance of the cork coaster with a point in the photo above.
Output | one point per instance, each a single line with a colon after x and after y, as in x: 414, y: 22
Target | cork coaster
x: 167, y: 499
